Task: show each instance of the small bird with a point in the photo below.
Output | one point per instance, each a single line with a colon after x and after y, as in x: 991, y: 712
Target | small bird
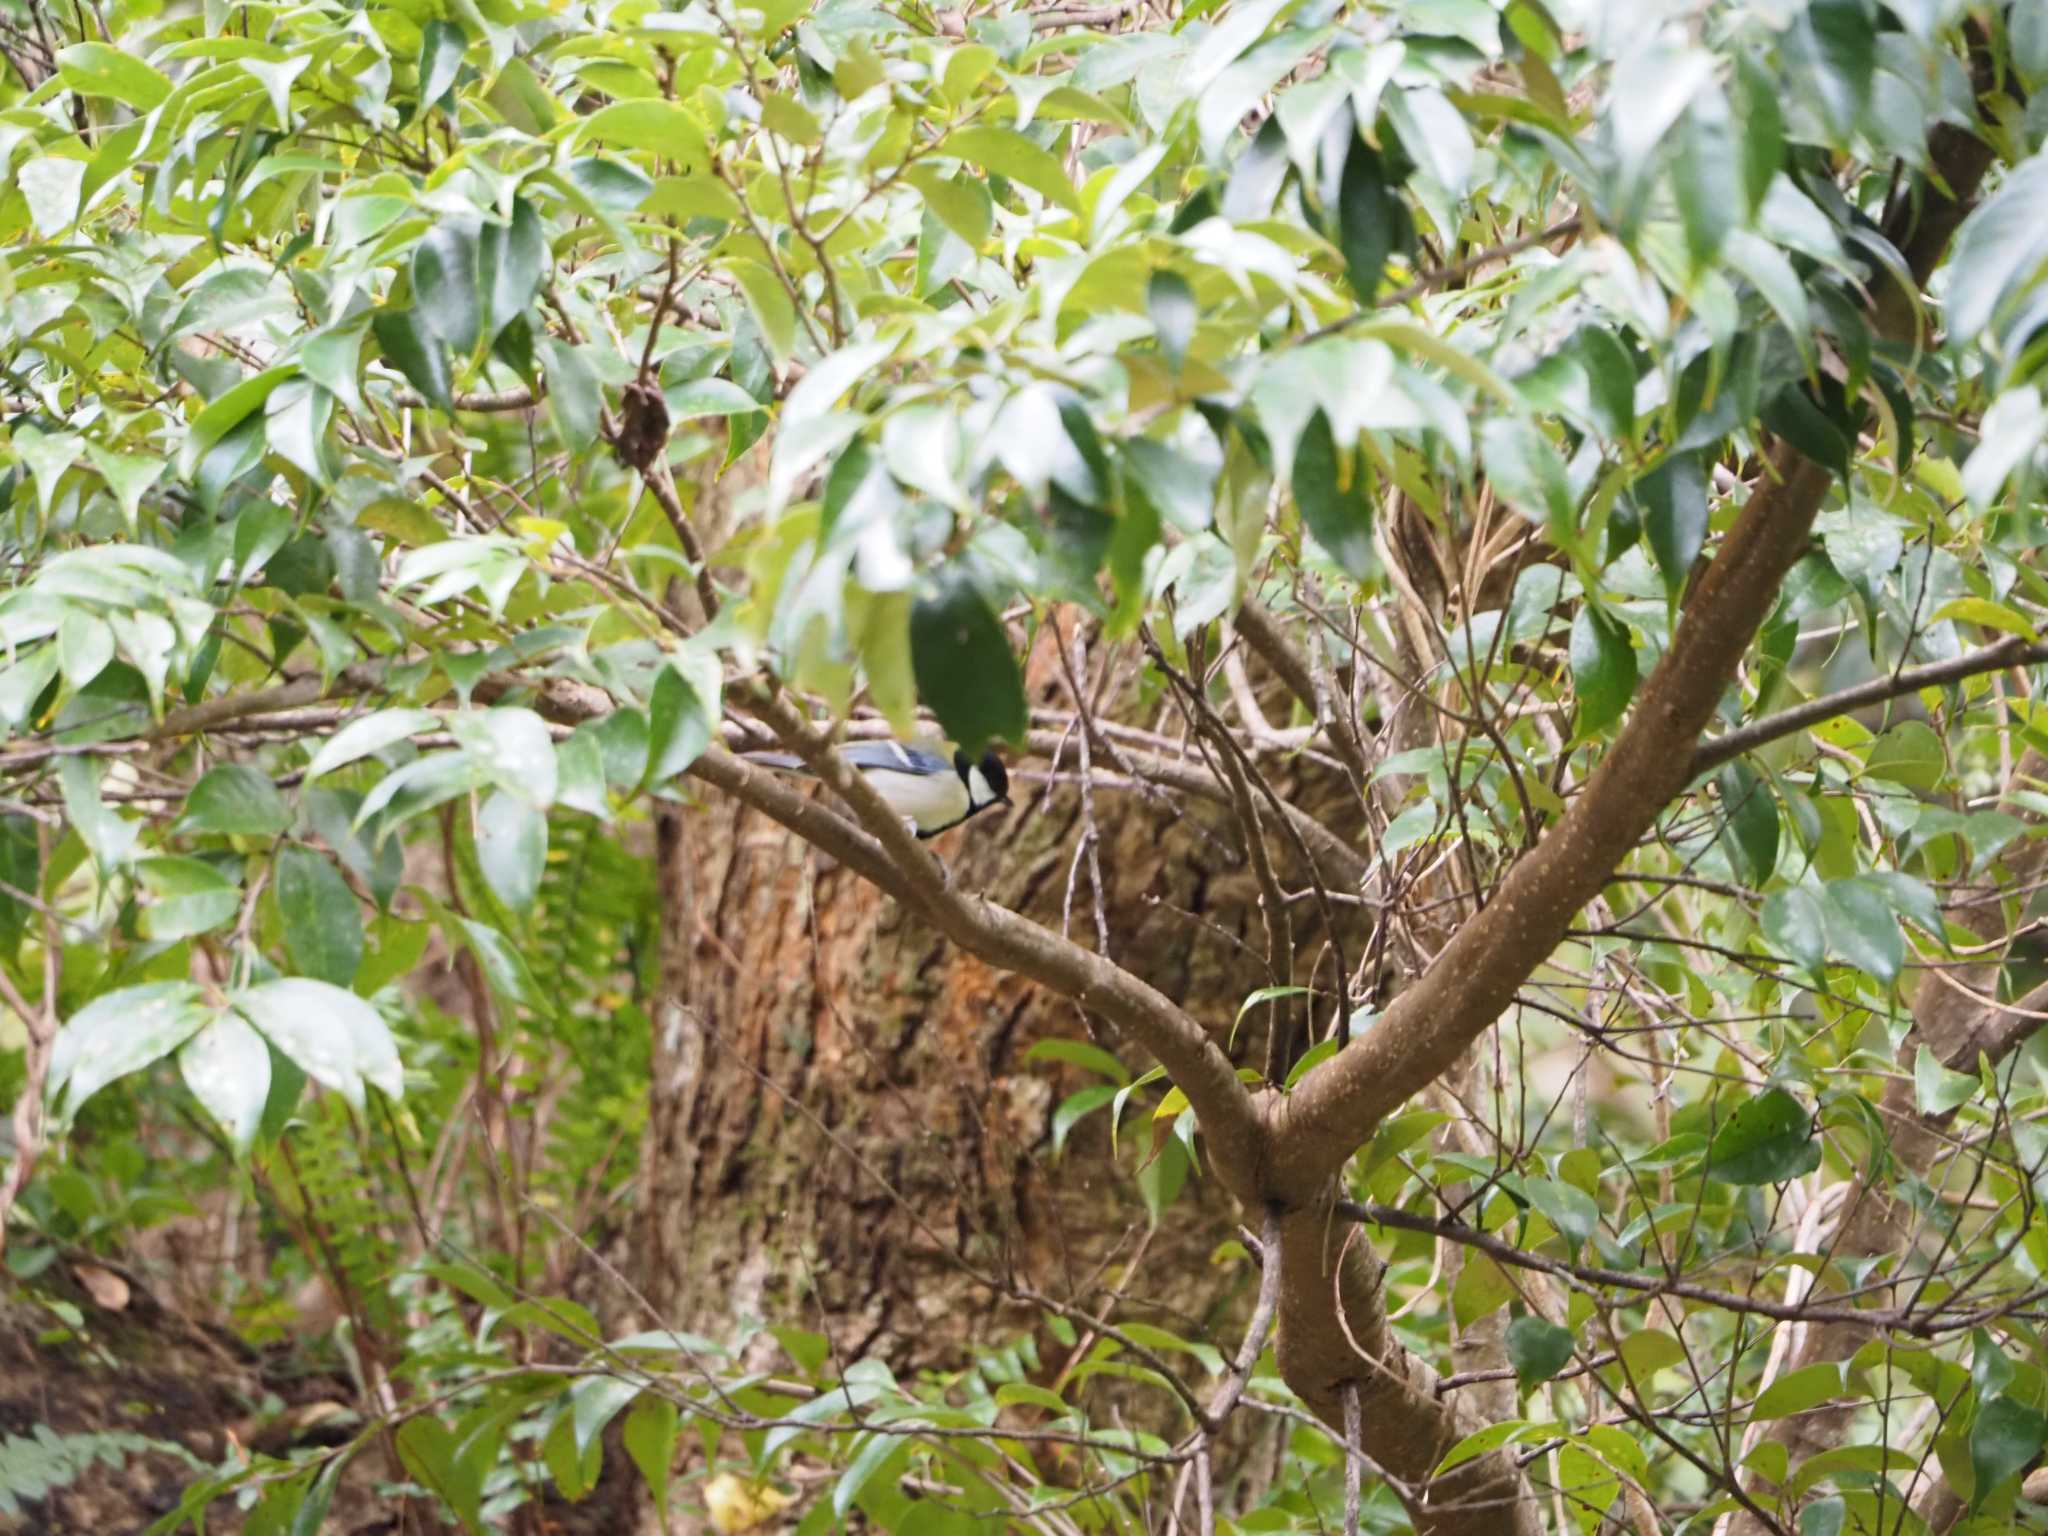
x: 925, y: 789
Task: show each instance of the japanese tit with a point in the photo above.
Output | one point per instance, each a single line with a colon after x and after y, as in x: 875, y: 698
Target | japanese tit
x: 931, y: 792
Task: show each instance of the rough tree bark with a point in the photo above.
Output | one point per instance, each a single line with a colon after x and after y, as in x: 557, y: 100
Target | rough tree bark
x: 844, y: 1128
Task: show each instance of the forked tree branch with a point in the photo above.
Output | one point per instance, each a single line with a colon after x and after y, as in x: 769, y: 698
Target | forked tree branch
x: 1476, y: 975
x: 1474, y: 978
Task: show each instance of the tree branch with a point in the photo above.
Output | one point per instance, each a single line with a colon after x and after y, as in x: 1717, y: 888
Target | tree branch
x: 1476, y: 975
x: 1226, y: 1110
x: 2012, y: 652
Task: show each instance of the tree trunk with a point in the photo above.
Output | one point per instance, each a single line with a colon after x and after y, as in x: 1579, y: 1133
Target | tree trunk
x: 846, y: 1132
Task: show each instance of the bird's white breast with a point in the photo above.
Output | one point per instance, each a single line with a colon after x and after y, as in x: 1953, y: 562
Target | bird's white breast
x: 928, y: 799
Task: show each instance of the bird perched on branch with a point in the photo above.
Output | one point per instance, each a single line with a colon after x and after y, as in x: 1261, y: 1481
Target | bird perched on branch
x: 931, y: 792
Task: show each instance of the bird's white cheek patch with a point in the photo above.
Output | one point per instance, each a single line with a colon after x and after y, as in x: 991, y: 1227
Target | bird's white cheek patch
x: 978, y: 790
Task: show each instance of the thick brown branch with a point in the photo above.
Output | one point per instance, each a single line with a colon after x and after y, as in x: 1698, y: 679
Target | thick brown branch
x: 1475, y: 977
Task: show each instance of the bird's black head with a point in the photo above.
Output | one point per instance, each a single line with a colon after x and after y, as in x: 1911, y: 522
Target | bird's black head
x: 993, y: 786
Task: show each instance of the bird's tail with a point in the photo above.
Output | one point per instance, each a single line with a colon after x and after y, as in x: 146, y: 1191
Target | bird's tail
x: 787, y: 761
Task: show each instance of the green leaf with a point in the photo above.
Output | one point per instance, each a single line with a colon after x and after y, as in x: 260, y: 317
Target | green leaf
x: 108, y: 835
x: 514, y: 749
x: 1527, y: 472
x: 1795, y: 925
x: 237, y: 801
x: 118, y: 1033
x: 574, y: 394
x: 128, y: 476
x: 965, y: 669
x: 1990, y: 1371
x: 21, y: 871
x: 575, y: 1472
x: 611, y: 185
x: 512, y: 259
x: 1482, y: 1288
x: 594, y: 1402
x: 338, y: 1039
x: 416, y: 350
x: 1833, y: 44
x: 1005, y: 152
x: 1171, y: 303
x: 1672, y: 501
x: 650, y: 1434
x: 1074, y: 1108
x: 1863, y: 929
x: 1909, y: 754
x: 371, y: 733
x: 1603, y: 669
x: 770, y: 302
x: 1749, y: 826
x: 442, y: 45
x: 1481, y: 1442
x: 1797, y: 1391
x: 660, y: 127
x: 682, y: 714
x: 1261, y: 995
x: 512, y: 849
x: 876, y: 1452
x: 186, y: 897
x: 323, y: 922
x: 1767, y: 1140
x: 1649, y: 1352
x: 1570, y: 1209
x: 1937, y: 1090
x: 1335, y: 496
x: 1082, y: 1054
x: 2004, y: 1440
x: 709, y: 397
x: 447, y: 296
x: 227, y: 1067
x: 99, y: 69
x: 51, y: 186
x: 427, y: 1448
x: 1762, y: 119
x: 1538, y: 1349
x: 1371, y: 220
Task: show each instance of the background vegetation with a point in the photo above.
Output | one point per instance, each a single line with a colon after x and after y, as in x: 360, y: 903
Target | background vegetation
x: 1498, y: 538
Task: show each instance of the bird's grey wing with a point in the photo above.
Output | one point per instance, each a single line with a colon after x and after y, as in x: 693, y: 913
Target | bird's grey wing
x: 870, y: 755
x: 784, y: 760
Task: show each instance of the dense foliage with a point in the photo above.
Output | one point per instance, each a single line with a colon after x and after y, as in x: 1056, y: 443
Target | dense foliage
x: 427, y: 428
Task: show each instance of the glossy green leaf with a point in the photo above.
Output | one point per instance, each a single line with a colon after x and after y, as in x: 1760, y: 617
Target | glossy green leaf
x: 234, y: 799
x: 117, y: 1033
x: 512, y: 848
x: 183, y: 897
x: 2004, y: 1440
x: 1767, y: 1139
x: 1538, y: 1349
x: 966, y: 671
x: 323, y: 923
x: 1007, y: 153
x: 416, y: 350
x: 1603, y: 663
x: 447, y: 293
x: 1334, y: 492
x: 227, y: 1067
x: 1673, y: 503
x: 338, y: 1039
